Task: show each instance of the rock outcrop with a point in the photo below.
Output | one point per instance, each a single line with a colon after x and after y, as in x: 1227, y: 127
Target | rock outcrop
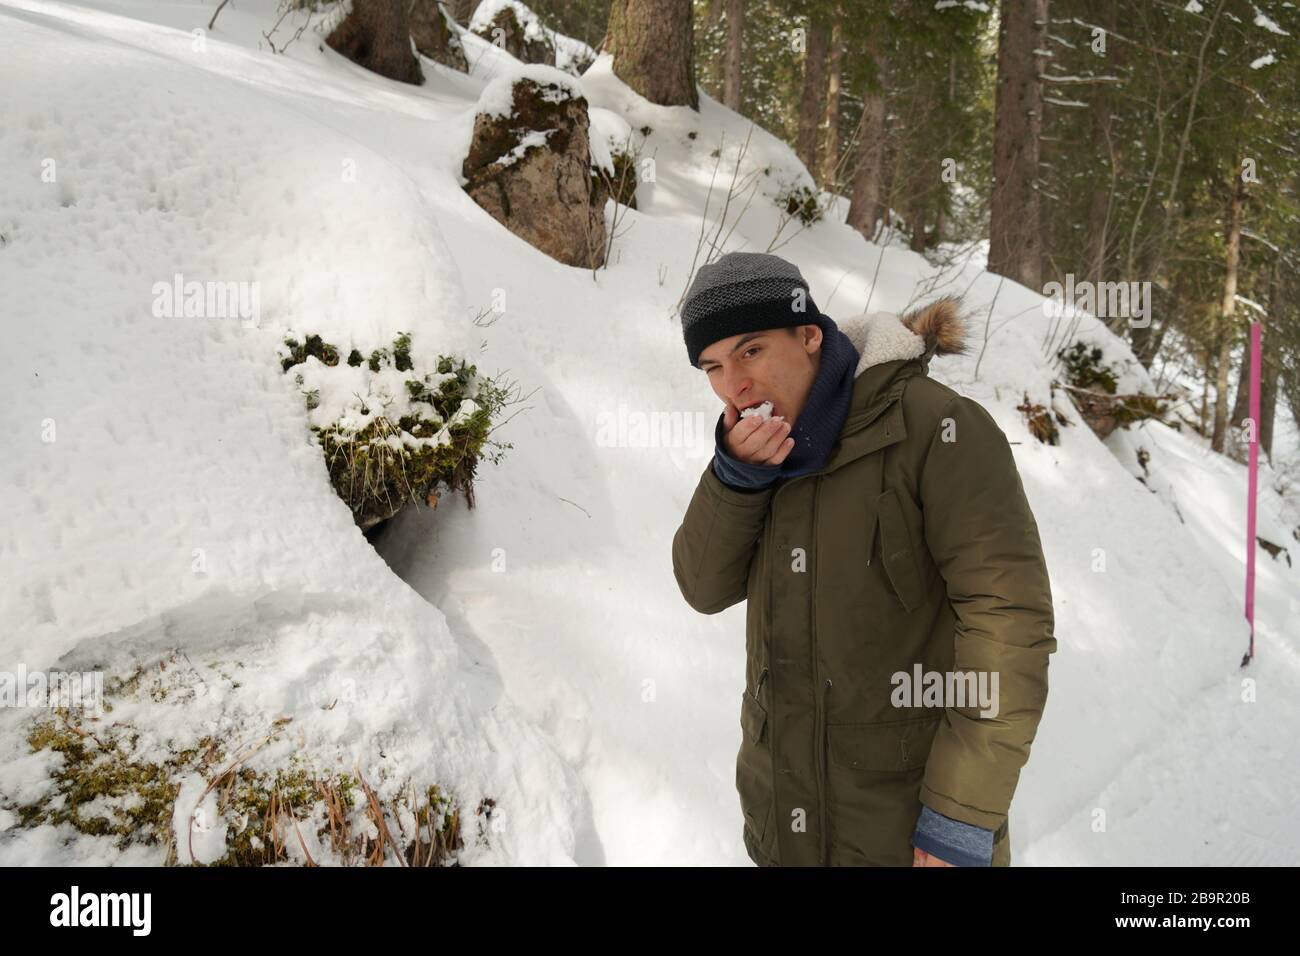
x: 529, y: 167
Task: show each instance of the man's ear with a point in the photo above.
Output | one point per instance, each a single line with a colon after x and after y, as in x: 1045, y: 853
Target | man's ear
x: 812, y: 338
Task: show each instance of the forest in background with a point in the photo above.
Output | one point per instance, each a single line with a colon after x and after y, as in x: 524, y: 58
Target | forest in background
x: 1105, y: 142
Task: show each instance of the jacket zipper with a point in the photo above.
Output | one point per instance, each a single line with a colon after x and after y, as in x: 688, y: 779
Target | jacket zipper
x: 818, y: 697
x: 771, y: 710
x: 826, y: 836
x: 819, y: 755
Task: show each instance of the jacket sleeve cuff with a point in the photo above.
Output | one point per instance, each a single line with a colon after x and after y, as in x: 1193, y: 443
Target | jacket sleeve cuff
x: 741, y: 476
x: 736, y: 475
x: 952, y: 841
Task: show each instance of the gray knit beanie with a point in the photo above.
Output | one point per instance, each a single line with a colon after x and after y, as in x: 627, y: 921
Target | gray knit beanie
x: 744, y: 292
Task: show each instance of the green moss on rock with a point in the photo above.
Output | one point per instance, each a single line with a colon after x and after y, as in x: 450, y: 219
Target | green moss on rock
x: 380, y: 467
x: 312, y: 345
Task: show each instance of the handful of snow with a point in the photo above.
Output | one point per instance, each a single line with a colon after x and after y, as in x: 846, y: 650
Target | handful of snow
x: 763, y: 411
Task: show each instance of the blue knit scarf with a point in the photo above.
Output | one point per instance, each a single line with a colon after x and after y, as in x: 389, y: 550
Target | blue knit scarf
x: 818, y: 426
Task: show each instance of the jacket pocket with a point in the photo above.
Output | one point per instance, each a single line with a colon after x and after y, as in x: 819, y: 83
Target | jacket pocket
x: 875, y: 772
x: 753, y: 773
x: 898, y: 746
x: 897, y: 552
x: 753, y: 718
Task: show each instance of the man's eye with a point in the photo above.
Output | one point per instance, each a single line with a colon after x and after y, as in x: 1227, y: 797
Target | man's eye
x: 753, y: 348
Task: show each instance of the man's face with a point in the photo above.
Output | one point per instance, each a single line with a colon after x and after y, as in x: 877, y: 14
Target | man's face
x: 774, y: 365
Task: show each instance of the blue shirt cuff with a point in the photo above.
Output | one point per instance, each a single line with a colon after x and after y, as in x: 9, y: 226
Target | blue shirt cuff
x: 961, y: 844
x: 742, y: 475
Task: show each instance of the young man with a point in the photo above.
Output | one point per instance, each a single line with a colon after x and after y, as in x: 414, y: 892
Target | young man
x: 842, y: 761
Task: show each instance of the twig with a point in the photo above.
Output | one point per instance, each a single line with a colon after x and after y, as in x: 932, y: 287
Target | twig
x: 230, y: 769
x: 576, y: 505
x: 984, y: 345
x: 221, y: 6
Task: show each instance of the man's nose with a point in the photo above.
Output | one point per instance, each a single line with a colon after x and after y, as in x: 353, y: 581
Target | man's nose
x: 739, y: 389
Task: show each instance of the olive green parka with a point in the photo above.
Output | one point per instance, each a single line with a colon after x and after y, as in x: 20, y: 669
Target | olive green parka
x: 913, y: 545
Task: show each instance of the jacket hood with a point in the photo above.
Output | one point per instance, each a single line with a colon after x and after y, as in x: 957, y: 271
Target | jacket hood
x: 882, y: 339
x: 933, y: 329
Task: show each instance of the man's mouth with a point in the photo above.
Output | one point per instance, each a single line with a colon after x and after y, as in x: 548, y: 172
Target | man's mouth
x: 753, y: 405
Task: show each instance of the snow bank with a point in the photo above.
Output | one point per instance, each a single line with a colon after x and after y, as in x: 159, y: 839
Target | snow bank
x: 168, y: 493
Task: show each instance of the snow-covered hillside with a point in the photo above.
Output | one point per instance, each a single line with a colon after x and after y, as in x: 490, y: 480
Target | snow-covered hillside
x: 534, y: 650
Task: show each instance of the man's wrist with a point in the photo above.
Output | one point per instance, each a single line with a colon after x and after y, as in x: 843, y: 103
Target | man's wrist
x: 961, y: 844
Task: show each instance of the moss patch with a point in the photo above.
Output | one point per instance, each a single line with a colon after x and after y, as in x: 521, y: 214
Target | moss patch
x: 1085, y: 369
x: 102, y: 789
x: 1093, y: 391
x: 801, y: 203
x: 105, y: 785
x: 621, y: 186
x: 313, y: 346
x: 429, y: 446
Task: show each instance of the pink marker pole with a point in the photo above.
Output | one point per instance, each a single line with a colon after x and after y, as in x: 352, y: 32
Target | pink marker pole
x: 1253, y: 486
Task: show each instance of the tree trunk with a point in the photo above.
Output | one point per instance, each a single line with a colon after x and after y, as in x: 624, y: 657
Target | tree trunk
x: 653, y: 45
x: 1267, y: 394
x: 887, y: 184
x: 1241, y: 403
x: 1047, y: 215
x: 713, y: 10
x: 1272, y: 369
x: 377, y: 35
x: 1015, y: 241
x: 735, y: 51
x: 1241, y: 406
x: 713, y: 13
x: 462, y: 10
x: 1207, y: 374
x: 1268, y: 403
x: 810, y: 96
x: 1103, y: 145
x: 831, y: 152
x: 1292, y: 396
x: 1222, y: 366
x: 432, y: 35
x: 1268, y: 375
x: 916, y: 220
x: 1226, y: 312
x: 1146, y: 341
x: 866, y: 204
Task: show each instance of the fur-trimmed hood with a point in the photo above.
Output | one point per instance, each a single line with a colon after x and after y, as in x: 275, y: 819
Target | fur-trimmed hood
x: 886, y: 336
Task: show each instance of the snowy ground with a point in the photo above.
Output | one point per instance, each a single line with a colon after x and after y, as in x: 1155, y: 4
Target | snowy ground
x: 535, y: 648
